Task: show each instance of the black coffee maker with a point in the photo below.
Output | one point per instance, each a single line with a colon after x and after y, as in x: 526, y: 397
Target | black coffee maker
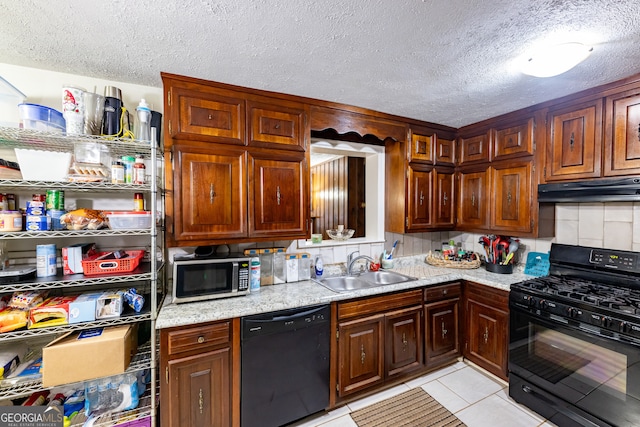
x: 112, y: 119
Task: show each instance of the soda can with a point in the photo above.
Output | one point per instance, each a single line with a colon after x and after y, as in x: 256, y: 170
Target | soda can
x: 46, y: 260
x: 55, y: 200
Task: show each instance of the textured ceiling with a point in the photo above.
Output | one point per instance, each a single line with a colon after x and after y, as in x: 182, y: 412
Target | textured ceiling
x: 445, y: 61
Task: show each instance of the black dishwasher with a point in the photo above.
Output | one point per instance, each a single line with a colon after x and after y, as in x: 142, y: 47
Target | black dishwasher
x: 285, y: 366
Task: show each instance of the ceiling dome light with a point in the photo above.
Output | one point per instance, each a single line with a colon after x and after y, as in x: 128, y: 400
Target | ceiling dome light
x: 553, y: 60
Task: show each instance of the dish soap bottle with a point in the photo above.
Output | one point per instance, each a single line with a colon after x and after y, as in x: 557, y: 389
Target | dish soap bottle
x: 319, y: 267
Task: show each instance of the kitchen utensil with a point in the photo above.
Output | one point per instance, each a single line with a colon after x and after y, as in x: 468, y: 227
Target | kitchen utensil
x: 514, y: 244
x: 508, y: 259
x: 393, y: 248
x: 93, y: 113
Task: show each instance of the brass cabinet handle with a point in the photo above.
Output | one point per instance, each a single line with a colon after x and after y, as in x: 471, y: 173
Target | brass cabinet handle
x: 473, y: 199
x: 638, y: 131
x: 362, y: 354
x: 445, y: 199
x: 572, y: 140
x: 210, y: 117
x: 404, y: 342
x: 421, y: 197
x: 278, y: 196
x: 200, y: 339
x: 485, y: 336
x: 509, y: 197
x: 212, y: 193
x: 444, y: 331
x: 201, y: 402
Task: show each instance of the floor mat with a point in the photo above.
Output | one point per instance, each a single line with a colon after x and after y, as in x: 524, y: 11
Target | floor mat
x: 413, y: 408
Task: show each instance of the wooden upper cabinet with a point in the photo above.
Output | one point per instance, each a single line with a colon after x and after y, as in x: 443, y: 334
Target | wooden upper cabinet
x: 421, y: 149
x: 277, y: 124
x: 443, y: 198
x: 474, y: 149
x: 514, y: 141
x: 574, y: 135
x: 622, y: 137
x: 445, y: 151
x: 473, y: 199
x: 205, y: 114
x: 278, y: 188
x: 420, y: 194
x: 512, y: 193
x: 209, y: 201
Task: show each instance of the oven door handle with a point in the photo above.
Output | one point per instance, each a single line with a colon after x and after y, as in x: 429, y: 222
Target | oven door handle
x: 561, y: 409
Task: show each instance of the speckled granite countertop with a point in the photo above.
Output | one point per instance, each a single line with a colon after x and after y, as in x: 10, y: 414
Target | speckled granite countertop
x: 307, y: 293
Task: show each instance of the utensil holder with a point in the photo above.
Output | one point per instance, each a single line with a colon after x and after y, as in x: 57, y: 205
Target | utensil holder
x: 499, y: 268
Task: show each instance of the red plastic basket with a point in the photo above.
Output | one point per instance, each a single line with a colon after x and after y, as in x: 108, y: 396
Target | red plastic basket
x: 94, y: 267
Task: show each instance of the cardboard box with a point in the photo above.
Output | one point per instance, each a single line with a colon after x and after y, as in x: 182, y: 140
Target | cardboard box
x: 54, y: 311
x: 109, y: 304
x: 89, y: 354
x: 83, y: 308
x: 72, y: 257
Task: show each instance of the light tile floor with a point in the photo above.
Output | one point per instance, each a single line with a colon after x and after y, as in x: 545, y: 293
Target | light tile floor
x: 477, y: 398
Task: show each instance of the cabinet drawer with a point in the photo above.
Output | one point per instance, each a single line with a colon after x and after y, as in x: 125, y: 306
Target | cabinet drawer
x: 514, y: 141
x: 276, y: 124
x: 474, y: 149
x: 437, y: 293
x: 199, y: 337
x: 379, y: 304
x: 207, y: 116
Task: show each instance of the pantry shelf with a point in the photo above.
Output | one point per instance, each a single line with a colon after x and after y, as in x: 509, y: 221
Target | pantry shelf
x: 73, y: 233
x: 73, y: 186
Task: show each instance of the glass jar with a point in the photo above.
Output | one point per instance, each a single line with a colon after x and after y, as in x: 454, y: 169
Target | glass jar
x: 139, y: 170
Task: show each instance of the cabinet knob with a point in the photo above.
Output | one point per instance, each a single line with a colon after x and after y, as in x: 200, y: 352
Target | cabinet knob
x: 200, y: 339
x: 445, y: 291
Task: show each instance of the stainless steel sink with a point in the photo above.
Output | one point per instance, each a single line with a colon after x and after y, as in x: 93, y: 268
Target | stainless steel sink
x: 385, y: 277
x: 365, y: 280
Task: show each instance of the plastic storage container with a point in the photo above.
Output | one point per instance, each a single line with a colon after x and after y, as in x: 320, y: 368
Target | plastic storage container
x: 129, y: 220
x: 42, y: 118
x: 31, y: 162
x: 279, y: 266
x: 292, y: 267
x: 304, y: 266
x: 266, y: 267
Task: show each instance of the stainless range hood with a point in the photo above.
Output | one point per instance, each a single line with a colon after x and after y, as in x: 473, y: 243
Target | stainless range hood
x: 602, y: 190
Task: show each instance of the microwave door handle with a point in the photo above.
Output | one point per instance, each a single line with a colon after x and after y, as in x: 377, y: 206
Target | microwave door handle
x: 234, y: 277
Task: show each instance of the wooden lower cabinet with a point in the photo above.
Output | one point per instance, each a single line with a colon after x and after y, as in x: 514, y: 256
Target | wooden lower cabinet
x: 200, y: 390
x: 379, y: 339
x: 360, y: 354
x: 403, y: 347
x: 441, y: 320
x: 200, y: 375
x: 487, y: 328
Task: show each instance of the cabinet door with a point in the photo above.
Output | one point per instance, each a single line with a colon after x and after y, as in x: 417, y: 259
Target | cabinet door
x: 511, y: 186
x: 574, y: 142
x: 487, y: 340
x: 474, y: 149
x: 473, y: 200
x: 443, y: 201
x: 512, y: 141
x: 445, y: 151
x: 421, y: 149
x: 622, y: 139
x: 204, y: 114
x: 210, y: 199
x: 279, y: 202
x: 419, y: 200
x: 199, y: 389
x: 441, y: 331
x: 360, y: 354
x: 277, y: 124
x: 403, y: 335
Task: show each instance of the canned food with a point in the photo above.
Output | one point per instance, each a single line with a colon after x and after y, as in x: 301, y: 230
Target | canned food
x: 55, y: 200
x: 35, y: 208
x: 39, y: 197
x: 46, y: 260
x: 38, y: 223
x: 55, y: 215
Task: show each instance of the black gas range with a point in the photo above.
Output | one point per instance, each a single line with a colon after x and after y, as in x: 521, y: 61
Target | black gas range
x: 574, y: 345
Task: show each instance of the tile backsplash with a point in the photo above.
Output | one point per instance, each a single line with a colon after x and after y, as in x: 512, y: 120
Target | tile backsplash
x: 602, y: 225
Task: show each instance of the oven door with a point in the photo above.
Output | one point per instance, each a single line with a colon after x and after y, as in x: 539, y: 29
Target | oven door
x: 561, y: 367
